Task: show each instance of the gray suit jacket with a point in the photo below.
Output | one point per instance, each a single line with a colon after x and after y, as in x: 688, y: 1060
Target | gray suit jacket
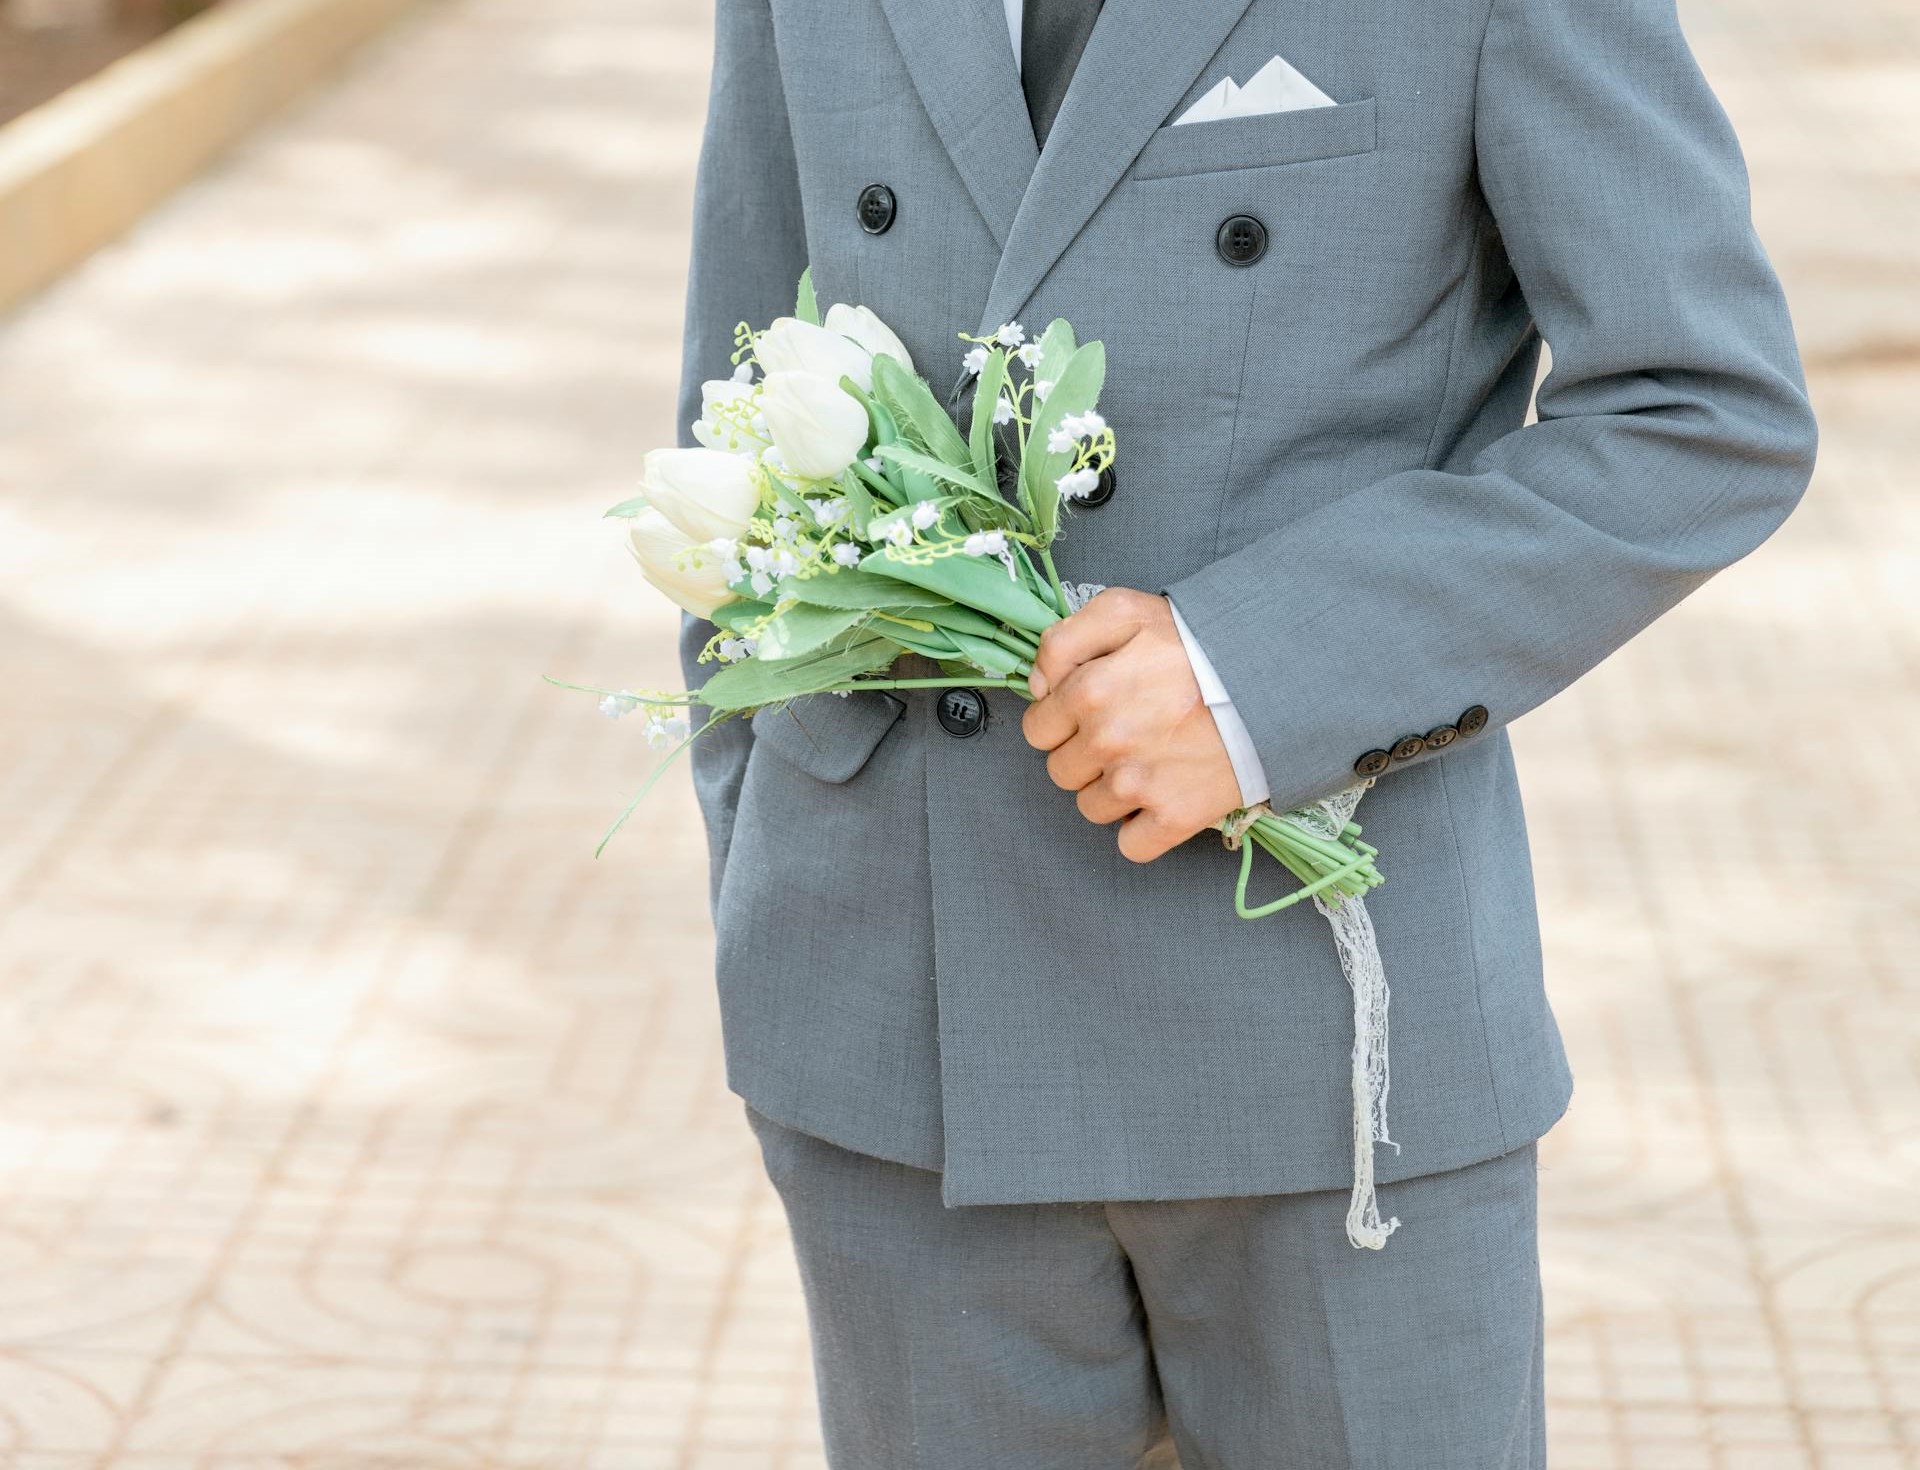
x: 925, y: 953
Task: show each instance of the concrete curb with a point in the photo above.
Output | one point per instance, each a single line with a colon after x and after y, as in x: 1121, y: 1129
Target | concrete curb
x: 79, y: 170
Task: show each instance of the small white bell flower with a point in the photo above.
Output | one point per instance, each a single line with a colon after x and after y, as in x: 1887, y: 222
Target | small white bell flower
x: 666, y: 731
x: 1078, y: 484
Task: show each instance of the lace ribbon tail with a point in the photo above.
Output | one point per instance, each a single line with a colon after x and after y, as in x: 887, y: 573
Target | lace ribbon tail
x: 1359, y: 951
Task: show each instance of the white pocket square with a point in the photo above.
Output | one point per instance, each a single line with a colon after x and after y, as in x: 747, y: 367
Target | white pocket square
x: 1276, y: 87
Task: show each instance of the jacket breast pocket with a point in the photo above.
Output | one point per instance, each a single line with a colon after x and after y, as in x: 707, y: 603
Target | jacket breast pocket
x: 1267, y: 141
x: 826, y: 736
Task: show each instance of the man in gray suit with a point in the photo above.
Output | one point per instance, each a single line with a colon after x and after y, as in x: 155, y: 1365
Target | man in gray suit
x: 1063, y: 1142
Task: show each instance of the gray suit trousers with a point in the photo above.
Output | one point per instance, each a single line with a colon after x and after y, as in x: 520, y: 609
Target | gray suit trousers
x: 1083, y: 1336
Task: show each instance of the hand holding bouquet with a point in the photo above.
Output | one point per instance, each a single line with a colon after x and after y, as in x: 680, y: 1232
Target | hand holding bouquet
x: 835, y: 517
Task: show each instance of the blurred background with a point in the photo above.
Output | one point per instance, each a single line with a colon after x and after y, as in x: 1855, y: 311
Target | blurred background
x: 352, y: 1115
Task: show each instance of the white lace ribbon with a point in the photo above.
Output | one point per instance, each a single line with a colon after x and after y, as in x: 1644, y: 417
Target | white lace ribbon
x: 1359, y: 951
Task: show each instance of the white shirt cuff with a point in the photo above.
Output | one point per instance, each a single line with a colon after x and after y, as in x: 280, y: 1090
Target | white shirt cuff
x: 1234, y: 734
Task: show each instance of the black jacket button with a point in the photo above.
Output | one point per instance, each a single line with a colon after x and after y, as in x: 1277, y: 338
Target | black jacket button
x: 1408, y: 746
x: 961, y: 712
x: 1472, y: 720
x: 1101, y: 493
x: 876, y: 209
x: 1372, y: 763
x: 1242, y: 240
x: 1441, y: 736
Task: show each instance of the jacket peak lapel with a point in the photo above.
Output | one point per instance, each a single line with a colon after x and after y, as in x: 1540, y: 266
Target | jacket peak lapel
x: 962, y: 63
x: 1139, y: 62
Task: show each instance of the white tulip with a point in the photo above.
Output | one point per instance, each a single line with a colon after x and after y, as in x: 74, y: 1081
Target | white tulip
x: 818, y: 428
x: 704, y: 492
x: 793, y: 346
x: 859, y: 324
x: 688, y: 574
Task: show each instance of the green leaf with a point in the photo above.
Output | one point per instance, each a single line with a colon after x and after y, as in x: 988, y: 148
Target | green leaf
x: 859, y: 501
x: 971, y: 582
x: 807, y: 305
x: 627, y: 509
x: 986, y: 398
x: 850, y: 587
x: 731, y: 617
x: 928, y: 642
x: 983, y: 514
x: 990, y: 656
x: 1056, y: 347
x: 957, y: 619
x: 803, y: 628
x: 934, y: 469
x: 756, y: 681
x: 1076, y: 390
x: 921, y: 419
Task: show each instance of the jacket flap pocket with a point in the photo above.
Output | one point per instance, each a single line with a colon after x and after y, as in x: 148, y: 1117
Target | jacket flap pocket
x: 826, y: 736
x: 1299, y: 136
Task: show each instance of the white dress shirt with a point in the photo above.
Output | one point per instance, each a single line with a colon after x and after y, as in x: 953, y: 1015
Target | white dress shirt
x: 1234, y: 734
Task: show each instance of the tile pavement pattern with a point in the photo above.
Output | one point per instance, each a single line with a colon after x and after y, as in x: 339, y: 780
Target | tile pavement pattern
x: 351, y: 1116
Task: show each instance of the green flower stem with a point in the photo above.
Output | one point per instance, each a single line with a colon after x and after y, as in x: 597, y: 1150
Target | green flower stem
x: 879, y: 484
x: 1034, y: 579
x: 1053, y: 581
x: 1313, y: 886
x: 665, y: 700
x: 1015, y: 642
x: 1019, y: 685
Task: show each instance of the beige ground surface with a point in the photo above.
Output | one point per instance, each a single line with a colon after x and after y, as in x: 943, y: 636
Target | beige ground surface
x: 351, y: 1116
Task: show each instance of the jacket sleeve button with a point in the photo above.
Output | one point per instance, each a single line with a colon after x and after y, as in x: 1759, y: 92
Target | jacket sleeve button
x: 1372, y: 763
x: 1472, y: 720
x: 1408, y: 746
x: 1441, y: 736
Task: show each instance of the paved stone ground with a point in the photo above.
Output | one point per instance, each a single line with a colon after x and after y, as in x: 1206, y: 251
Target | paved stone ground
x: 351, y: 1116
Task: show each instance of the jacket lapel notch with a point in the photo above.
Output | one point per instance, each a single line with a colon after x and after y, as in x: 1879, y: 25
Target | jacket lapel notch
x: 962, y: 63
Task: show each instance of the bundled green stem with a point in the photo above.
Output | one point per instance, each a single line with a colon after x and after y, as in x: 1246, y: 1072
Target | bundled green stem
x: 1332, y: 868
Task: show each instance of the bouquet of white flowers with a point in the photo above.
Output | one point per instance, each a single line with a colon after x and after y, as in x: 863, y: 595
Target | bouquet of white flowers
x: 836, y: 517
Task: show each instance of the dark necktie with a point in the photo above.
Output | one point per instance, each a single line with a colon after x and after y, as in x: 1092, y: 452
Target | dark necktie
x: 1053, y: 33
